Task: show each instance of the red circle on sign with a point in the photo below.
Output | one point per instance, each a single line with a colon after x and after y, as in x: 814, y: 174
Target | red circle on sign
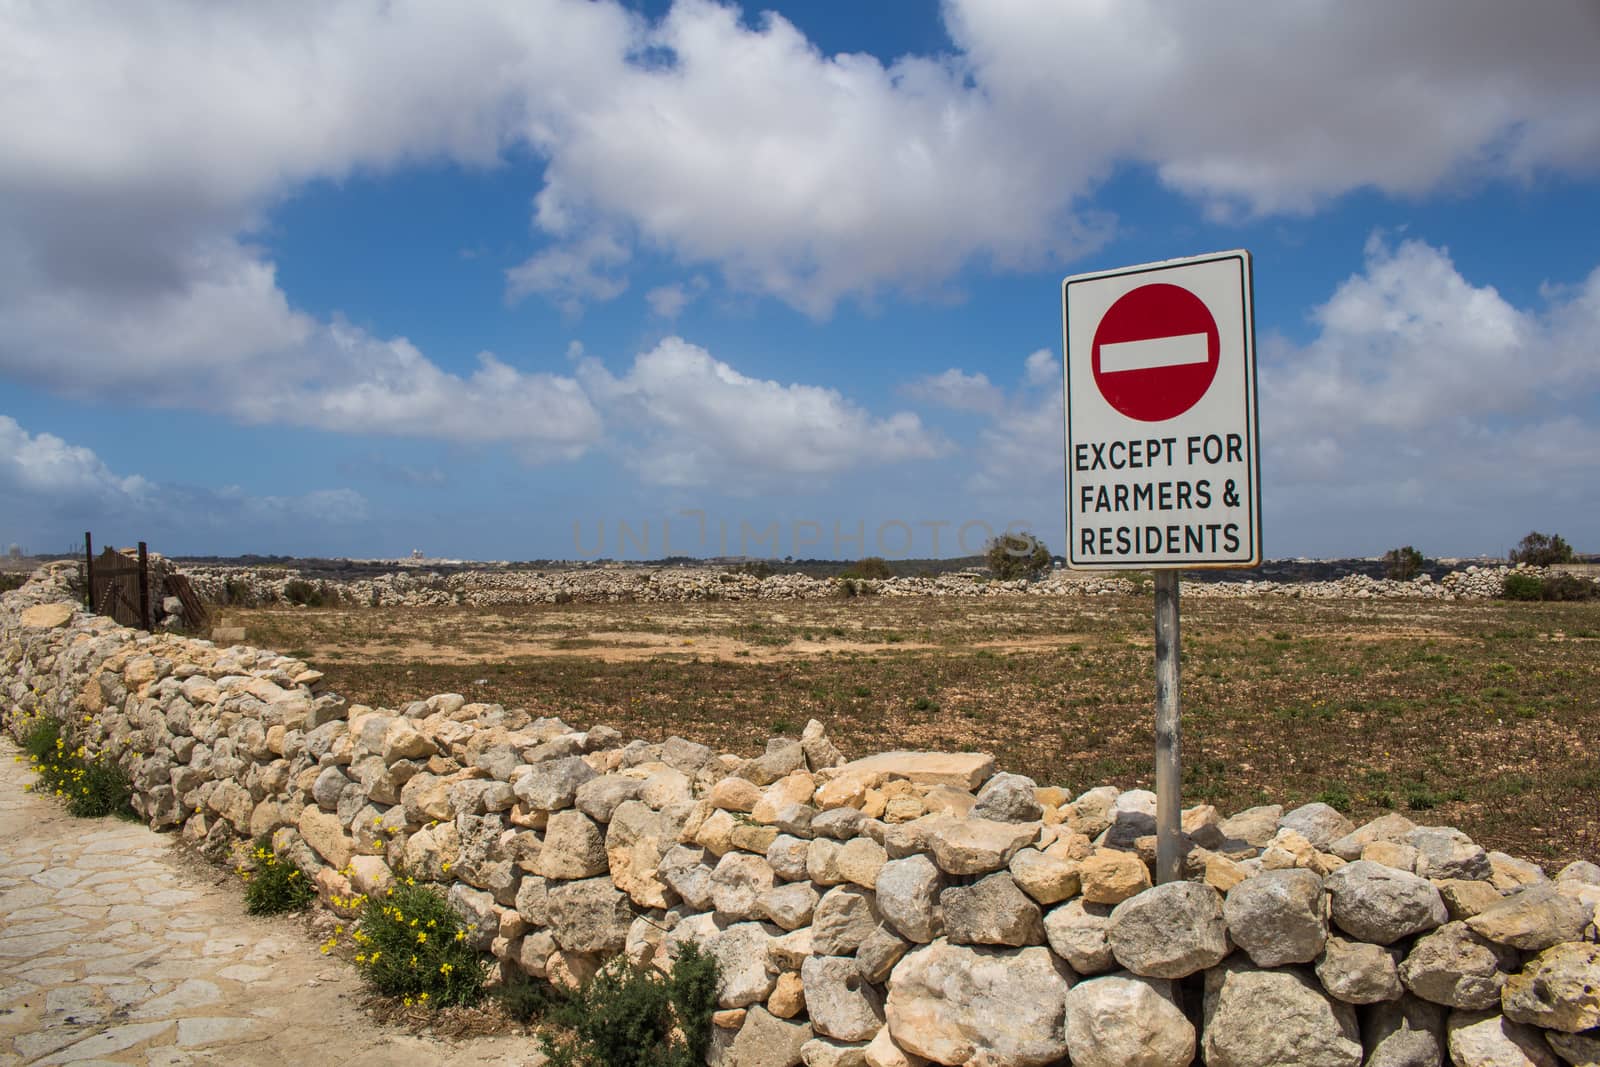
x: 1163, y: 356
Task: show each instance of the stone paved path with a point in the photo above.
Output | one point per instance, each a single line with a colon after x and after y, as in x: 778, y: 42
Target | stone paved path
x: 115, y: 949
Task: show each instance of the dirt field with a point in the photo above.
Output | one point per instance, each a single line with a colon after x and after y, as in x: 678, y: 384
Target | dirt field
x: 1483, y: 715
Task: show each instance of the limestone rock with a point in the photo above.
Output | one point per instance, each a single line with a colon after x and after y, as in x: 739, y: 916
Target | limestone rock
x: 1393, y: 827
x: 1488, y: 1039
x: 573, y: 847
x: 963, y: 770
x: 979, y: 846
x: 949, y: 1002
x: 1358, y: 973
x: 908, y: 897
x: 1008, y: 798
x: 845, y: 917
x: 741, y: 955
x: 879, y: 953
x: 1253, y: 826
x: 1508, y: 874
x: 1404, y: 1033
x: 1465, y: 898
x: 788, y: 997
x: 553, y: 785
x: 1558, y: 990
x: 1581, y: 1050
x: 822, y: 1052
x: 47, y: 616
x: 599, y: 797
x: 1379, y: 904
x: 1278, y: 917
x: 1534, y: 919
x: 842, y: 1004
x: 1077, y: 932
x: 1256, y: 1018
x: 992, y: 911
x: 1110, y: 877
x: 1445, y: 852
x: 683, y: 870
x: 1121, y: 1020
x: 325, y: 834
x: 1319, y: 823
x: 736, y: 794
x: 1455, y: 967
x: 859, y: 861
x: 589, y: 916
x: 637, y: 838
x: 789, y: 906
x: 737, y: 884
x: 1170, y: 931
x: 763, y: 1041
x: 787, y: 857
x: 1046, y: 878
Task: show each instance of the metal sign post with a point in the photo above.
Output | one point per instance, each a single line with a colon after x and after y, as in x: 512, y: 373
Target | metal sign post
x: 1163, y: 455
x: 1169, y: 739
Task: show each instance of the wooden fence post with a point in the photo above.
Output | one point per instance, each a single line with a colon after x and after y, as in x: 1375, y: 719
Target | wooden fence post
x: 144, y: 589
x: 88, y: 568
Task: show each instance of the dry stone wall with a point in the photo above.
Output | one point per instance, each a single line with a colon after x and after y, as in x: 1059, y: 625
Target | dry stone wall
x: 489, y: 587
x: 903, y: 908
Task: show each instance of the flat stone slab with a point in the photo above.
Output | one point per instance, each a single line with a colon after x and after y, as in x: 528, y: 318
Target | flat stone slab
x: 964, y: 770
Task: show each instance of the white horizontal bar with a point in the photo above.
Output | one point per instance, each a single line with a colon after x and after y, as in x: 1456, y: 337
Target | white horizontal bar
x: 1154, y: 352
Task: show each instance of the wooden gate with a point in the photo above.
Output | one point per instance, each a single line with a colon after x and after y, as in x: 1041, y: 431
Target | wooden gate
x: 123, y: 587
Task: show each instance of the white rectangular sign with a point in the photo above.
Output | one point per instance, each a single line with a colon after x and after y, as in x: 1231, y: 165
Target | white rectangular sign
x: 1163, y: 456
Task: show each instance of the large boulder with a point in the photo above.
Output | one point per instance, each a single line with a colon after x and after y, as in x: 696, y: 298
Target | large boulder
x: 979, y: 846
x: 1278, y: 917
x: 589, y: 915
x: 553, y: 785
x: 964, y: 770
x: 1121, y: 1020
x: 1558, y: 990
x: 637, y: 837
x: 845, y: 917
x: 992, y: 911
x: 1077, y: 933
x: 764, y: 1040
x: 745, y: 976
x: 1170, y: 931
x: 1489, y: 1039
x: 1534, y: 919
x: 1318, y: 823
x: 1445, y: 852
x: 1455, y: 967
x: 1380, y: 904
x: 842, y: 1004
x: 1110, y: 877
x: 1404, y: 1033
x: 1257, y: 1018
x: 737, y: 884
x: 948, y: 1003
x: 574, y: 847
x: 1008, y: 798
x: 1358, y: 973
x: 908, y: 897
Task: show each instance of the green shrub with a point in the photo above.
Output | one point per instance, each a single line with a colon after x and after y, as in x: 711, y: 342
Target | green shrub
x: 874, y: 567
x: 9, y: 582
x: 91, y: 786
x: 273, y: 885
x: 1402, y: 564
x: 299, y: 591
x: 628, y: 1016
x: 1016, y: 555
x: 1568, y: 587
x: 1541, y: 550
x: 1521, y: 586
x: 411, y: 944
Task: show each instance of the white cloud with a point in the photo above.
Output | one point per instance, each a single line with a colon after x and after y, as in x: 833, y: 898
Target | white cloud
x: 958, y: 391
x: 51, y: 490
x: 669, y: 301
x: 700, y: 422
x: 145, y: 145
x: 45, y: 465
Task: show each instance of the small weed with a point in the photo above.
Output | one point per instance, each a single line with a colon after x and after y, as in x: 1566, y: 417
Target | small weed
x: 1336, y: 796
x: 92, y: 786
x: 782, y: 726
x: 924, y: 703
x: 273, y: 886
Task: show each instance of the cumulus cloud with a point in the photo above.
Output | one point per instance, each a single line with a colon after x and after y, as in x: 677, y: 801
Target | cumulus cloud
x: 696, y: 421
x: 146, y: 146
x: 959, y: 391
x: 52, y: 490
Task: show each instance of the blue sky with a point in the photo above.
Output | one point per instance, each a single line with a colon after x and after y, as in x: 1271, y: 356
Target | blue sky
x: 495, y: 279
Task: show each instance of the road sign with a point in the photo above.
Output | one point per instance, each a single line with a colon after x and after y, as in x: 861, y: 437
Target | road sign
x: 1163, y: 462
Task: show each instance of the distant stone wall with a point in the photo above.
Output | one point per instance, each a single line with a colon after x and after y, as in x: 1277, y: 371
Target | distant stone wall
x: 903, y: 908
x: 489, y: 587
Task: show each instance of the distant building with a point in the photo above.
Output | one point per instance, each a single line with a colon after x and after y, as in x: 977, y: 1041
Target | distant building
x: 416, y: 553
x: 15, y: 552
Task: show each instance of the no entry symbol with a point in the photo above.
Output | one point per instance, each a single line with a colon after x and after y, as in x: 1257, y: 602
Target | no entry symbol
x: 1156, y: 352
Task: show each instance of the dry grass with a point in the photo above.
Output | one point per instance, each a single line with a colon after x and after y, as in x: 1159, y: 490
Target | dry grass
x: 1482, y: 715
